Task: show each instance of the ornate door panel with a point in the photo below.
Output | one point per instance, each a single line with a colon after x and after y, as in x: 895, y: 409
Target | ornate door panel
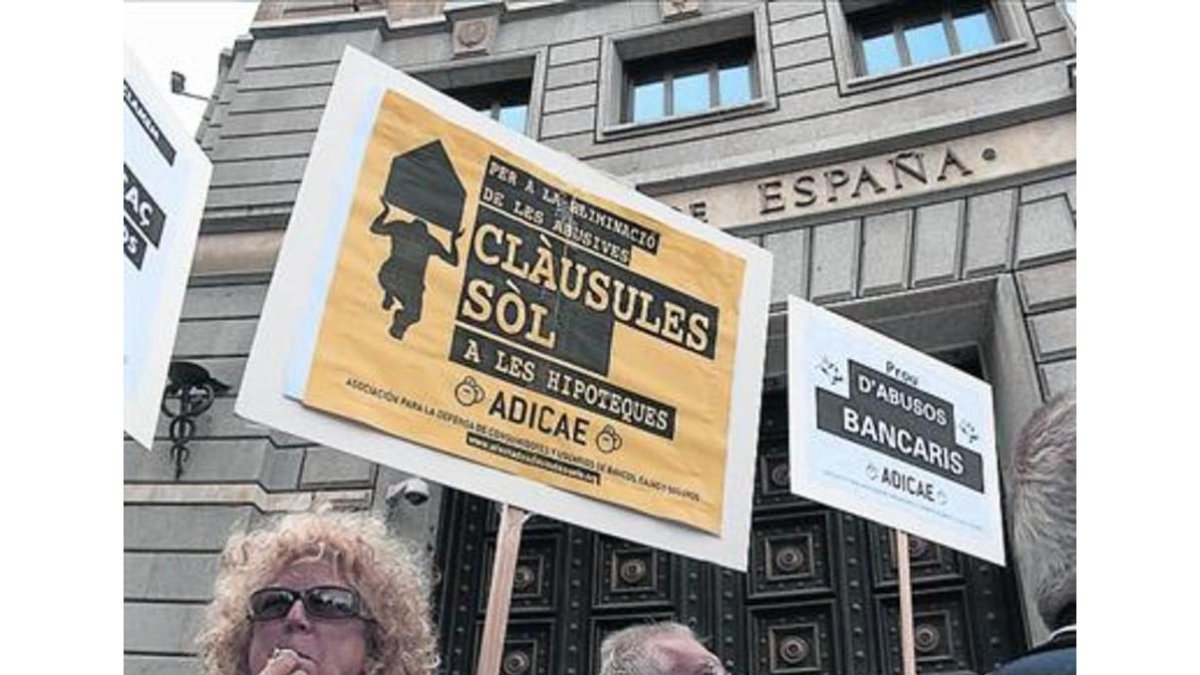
x: 820, y: 595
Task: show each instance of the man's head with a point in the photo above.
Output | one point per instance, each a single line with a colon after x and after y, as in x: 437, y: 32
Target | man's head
x: 1042, y: 506
x: 666, y: 648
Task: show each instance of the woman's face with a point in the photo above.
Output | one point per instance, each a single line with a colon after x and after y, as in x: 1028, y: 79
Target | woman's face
x: 324, y: 646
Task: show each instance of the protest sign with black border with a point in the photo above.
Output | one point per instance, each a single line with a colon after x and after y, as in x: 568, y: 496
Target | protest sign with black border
x: 458, y: 301
x: 886, y: 432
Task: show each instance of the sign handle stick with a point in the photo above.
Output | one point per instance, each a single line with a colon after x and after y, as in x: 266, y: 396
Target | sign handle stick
x: 908, y: 654
x: 508, y: 541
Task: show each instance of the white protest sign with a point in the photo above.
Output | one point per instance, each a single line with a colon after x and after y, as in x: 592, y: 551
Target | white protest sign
x: 166, y: 181
x: 888, y: 433
x: 457, y: 301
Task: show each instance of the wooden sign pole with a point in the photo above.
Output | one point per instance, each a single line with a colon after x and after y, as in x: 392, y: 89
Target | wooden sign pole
x: 908, y: 654
x: 508, y: 541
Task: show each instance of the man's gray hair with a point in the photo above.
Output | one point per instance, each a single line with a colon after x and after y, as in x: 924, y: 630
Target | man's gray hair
x: 1042, y: 504
x: 629, y: 651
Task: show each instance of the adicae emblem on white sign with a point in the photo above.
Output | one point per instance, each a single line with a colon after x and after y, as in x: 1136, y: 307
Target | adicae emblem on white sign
x: 888, y: 433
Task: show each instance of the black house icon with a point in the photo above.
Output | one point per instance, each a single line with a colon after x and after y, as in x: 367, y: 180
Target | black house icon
x: 423, y: 182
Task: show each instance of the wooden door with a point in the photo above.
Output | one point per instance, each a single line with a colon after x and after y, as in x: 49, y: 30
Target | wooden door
x: 820, y: 595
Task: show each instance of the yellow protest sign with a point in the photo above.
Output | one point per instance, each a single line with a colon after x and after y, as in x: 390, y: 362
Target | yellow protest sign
x: 484, y: 306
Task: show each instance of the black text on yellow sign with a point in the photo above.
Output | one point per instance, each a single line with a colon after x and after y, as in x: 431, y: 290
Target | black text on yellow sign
x: 487, y: 307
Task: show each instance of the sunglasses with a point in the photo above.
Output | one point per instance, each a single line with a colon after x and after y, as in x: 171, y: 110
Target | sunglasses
x: 321, y: 602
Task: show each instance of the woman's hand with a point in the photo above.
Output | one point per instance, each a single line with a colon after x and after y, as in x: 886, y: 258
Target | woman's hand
x: 283, y: 662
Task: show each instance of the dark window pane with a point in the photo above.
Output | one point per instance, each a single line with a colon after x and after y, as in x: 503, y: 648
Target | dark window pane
x: 880, y: 54
x: 734, y: 84
x: 504, y: 101
x: 691, y: 93
x: 974, y: 32
x: 513, y: 117
x: 648, y: 101
x: 927, y: 42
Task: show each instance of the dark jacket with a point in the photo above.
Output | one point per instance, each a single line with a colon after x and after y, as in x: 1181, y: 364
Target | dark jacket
x: 1055, y: 657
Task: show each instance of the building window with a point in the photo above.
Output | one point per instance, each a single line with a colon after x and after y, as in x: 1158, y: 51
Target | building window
x: 506, y: 102
x: 899, y: 35
x: 686, y: 72
x: 691, y: 81
x: 507, y: 88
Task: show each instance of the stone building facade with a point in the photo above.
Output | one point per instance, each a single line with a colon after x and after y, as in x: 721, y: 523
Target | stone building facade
x: 932, y: 199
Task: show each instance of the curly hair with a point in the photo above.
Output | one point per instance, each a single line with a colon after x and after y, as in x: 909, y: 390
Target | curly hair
x: 389, y: 575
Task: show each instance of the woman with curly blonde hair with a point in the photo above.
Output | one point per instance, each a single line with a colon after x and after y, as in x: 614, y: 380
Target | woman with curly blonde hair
x: 320, y: 594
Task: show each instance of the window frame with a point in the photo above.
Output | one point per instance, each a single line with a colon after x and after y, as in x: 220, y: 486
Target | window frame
x: 901, y: 22
x: 1008, y: 20
x: 497, y: 95
x: 663, y: 68
x: 484, y: 71
x: 701, y: 33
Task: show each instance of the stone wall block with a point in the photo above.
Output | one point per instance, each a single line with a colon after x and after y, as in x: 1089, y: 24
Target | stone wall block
x: 782, y: 10
x: 218, y: 302
x: 170, y: 576
x: 281, y: 469
x: 937, y: 243
x: 805, y: 77
x: 191, y: 527
x: 571, y: 122
x: 576, y: 73
x: 138, y: 664
x: 789, y: 274
x: 264, y: 147
x: 1046, y: 19
x: 834, y: 261
x: 211, y: 131
x: 209, y: 461
x: 227, y: 174
x: 277, y: 78
x: 798, y: 53
x: 1045, y: 232
x: 283, y: 121
x: 1063, y: 185
x: 1047, y: 287
x: 575, y: 145
x: 297, y: 50
x: 326, y: 467
x: 1057, y: 377
x: 989, y: 236
x: 208, y: 139
x: 573, y: 52
x: 214, y: 338
x: 570, y: 97
x: 798, y: 29
x: 1053, y: 334
x: 279, y: 99
x: 885, y: 252
x: 162, y: 628
x: 249, y: 197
